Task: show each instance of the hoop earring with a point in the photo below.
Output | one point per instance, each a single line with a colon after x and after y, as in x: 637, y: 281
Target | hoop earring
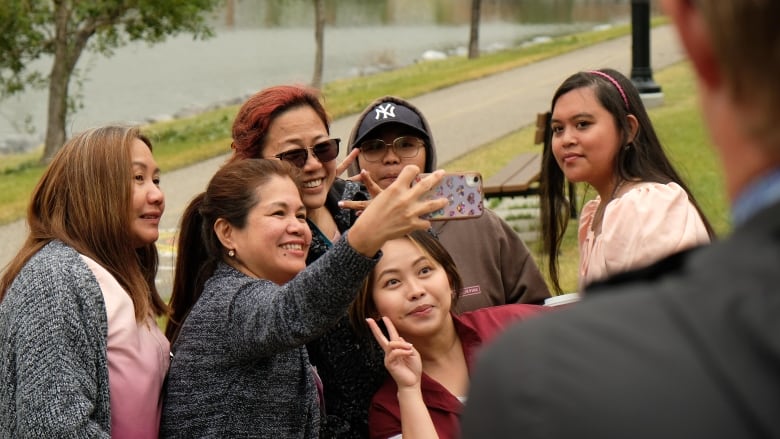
x: 232, y: 253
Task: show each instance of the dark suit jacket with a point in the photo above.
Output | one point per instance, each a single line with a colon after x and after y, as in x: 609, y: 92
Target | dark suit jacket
x: 686, y: 348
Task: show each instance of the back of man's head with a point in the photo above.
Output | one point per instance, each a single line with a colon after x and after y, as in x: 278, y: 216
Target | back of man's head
x: 745, y: 39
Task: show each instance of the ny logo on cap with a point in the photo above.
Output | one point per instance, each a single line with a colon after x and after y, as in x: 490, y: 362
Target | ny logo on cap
x: 385, y: 111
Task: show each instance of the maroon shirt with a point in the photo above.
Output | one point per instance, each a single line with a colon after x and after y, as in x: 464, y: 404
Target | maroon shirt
x: 474, y: 328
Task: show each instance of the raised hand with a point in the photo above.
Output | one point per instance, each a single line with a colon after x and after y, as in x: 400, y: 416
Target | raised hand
x: 348, y: 160
x: 371, y: 186
x: 401, y: 358
x: 395, y: 212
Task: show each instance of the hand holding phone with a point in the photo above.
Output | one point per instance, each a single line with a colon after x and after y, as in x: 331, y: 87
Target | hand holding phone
x: 464, y: 192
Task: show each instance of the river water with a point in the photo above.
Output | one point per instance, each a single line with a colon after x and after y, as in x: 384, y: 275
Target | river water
x: 266, y: 42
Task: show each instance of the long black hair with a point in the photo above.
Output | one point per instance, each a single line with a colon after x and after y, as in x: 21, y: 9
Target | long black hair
x: 641, y: 159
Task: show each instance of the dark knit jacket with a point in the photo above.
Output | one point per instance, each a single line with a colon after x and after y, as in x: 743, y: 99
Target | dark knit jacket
x: 240, y: 366
x: 350, y: 365
x: 342, y: 190
x: 53, y: 360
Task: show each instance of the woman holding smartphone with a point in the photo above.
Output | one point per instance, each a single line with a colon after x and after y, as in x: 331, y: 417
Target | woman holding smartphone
x: 289, y: 123
x: 240, y: 366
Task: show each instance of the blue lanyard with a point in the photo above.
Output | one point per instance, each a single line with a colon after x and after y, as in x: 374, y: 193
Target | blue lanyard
x: 758, y: 195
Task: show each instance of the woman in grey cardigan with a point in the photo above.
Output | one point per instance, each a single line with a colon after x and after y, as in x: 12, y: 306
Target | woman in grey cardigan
x: 240, y: 366
x: 80, y: 352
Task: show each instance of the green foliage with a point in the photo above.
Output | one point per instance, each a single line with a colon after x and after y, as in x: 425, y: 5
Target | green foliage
x: 20, y: 43
x: 30, y: 29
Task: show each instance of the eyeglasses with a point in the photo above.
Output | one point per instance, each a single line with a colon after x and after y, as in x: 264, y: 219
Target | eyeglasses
x: 404, y: 147
x: 324, y: 151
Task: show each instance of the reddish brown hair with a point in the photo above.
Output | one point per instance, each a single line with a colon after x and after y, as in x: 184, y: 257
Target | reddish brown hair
x: 250, y: 127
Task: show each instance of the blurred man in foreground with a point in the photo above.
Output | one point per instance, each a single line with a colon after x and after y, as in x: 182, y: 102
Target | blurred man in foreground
x: 690, y: 346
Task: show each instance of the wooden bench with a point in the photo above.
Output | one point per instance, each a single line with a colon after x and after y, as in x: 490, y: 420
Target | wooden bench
x: 522, y: 175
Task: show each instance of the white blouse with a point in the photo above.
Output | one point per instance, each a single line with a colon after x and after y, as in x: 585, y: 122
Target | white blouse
x: 646, y: 223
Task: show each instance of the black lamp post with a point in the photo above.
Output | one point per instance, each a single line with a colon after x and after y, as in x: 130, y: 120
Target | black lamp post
x: 641, y: 72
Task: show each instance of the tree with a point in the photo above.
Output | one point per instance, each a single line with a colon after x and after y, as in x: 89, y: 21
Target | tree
x: 474, y: 35
x: 63, y: 29
x: 230, y: 13
x: 319, y: 39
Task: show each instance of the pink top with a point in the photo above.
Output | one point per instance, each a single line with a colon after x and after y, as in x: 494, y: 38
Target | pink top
x: 646, y: 223
x: 138, y: 359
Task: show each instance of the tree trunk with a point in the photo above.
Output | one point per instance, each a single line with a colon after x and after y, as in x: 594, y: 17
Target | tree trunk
x: 319, y: 37
x: 69, y: 44
x: 57, y: 110
x: 474, y: 36
x: 230, y: 13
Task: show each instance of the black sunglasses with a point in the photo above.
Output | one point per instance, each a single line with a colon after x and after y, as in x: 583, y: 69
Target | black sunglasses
x: 324, y: 151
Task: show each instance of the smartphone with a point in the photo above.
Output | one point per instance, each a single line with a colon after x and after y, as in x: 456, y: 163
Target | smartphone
x: 464, y: 192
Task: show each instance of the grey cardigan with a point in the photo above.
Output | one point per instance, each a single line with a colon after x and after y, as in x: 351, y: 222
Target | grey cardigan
x: 53, y: 361
x: 240, y: 366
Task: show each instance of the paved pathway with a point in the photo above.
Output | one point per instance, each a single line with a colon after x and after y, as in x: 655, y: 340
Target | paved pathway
x: 462, y: 117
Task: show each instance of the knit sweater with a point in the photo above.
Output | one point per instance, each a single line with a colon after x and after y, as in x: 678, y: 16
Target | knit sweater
x: 350, y: 365
x: 342, y: 190
x: 240, y: 366
x: 53, y: 361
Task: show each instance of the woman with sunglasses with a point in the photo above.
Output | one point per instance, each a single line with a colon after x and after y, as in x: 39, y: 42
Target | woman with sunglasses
x: 289, y: 123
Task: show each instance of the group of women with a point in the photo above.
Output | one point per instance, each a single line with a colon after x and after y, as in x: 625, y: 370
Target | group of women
x: 303, y: 305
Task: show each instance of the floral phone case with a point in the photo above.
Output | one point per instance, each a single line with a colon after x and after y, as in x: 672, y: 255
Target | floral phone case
x: 464, y: 192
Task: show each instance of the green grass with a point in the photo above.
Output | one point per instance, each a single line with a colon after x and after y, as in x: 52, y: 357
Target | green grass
x: 680, y: 128
x: 352, y: 95
x: 183, y: 142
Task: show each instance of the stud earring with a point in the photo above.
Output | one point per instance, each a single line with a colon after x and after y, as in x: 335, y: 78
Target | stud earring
x: 231, y: 253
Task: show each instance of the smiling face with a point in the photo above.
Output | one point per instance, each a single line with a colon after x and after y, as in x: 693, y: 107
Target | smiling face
x: 148, y: 199
x: 585, y: 139
x: 386, y: 170
x: 411, y: 289
x: 296, y: 128
x: 275, y: 240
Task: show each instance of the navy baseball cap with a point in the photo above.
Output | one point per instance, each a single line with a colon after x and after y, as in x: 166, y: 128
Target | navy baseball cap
x: 387, y: 112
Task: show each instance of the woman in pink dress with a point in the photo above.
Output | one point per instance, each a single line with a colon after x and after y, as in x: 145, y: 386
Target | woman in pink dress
x: 601, y: 135
x: 82, y: 355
